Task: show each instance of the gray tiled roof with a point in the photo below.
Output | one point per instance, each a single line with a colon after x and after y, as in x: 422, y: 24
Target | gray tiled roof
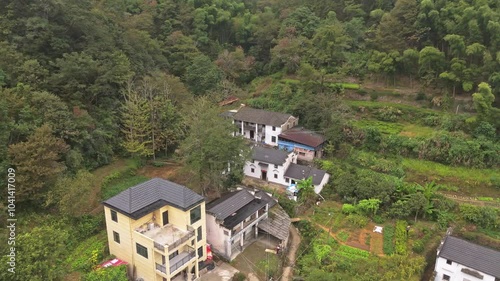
x: 269, y: 155
x: 277, y: 224
x: 471, y: 255
x: 148, y: 196
x: 259, y: 116
x: 300, y: 172
x: 229, y: 204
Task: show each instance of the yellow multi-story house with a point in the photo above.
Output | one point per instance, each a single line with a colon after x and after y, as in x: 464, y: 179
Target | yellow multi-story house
x: 158, y: 228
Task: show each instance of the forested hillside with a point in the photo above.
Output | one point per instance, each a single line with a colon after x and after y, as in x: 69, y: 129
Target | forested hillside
x: 83, y: 82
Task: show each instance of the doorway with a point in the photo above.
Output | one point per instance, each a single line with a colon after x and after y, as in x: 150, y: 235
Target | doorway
x: 165, y: 217
x: 264, y: 175
x: 252, y: 134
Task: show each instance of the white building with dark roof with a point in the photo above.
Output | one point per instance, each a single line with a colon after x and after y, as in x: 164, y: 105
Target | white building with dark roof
x: 280, y: 167
x: 233, y: 219
x: 461, y: 260
x: 261, y: 125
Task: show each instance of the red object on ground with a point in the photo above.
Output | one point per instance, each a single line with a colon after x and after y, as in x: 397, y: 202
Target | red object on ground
x: 209, y: 252
x: 113, y: 262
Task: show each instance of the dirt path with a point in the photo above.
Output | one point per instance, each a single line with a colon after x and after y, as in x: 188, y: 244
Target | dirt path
x: 470, y: 200
x: 291, y: 255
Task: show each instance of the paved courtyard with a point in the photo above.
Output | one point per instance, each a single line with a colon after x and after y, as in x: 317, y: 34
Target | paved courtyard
x: 222, y: 272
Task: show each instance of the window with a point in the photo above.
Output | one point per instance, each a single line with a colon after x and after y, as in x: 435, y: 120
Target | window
x: 226, y: 232
x: 302, y: 153
x: 172, y: 255
x: 273, y: 139
x: 446, y: 277
x: 192, y: 242
x: 287, y: 180
x: 114, y: 216
x: 200, y: 252
x: 252, y: 170
x: 141, y: 250
x: 274, y: 128
x: 275, y: 166
x: 449, y: 262
x: 200, y: 235
x: 116, y: 237
x: 195, y: 214
x: 275, y: 176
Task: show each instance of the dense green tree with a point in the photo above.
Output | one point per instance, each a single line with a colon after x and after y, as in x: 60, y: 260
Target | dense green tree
x: 39, y: 253
x: 74, y: 196
x: 202, y: 75
x: 136, y: 123
x: 302, y: 22
x: 483, y: 100
x: 209, y: 150
x: 37, y: 163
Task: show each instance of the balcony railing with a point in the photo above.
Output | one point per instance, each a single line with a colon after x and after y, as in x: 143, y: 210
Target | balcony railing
x: 161, y: 268
x: 178, y: 264
x: 183, y: 239
x: 171, y: 246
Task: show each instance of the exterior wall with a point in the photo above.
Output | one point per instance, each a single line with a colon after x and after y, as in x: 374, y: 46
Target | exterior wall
x: 290, y: 123
x: 270, y: 134
x: 454, y: 270
x: 123, y: 250
x: 144, y: 268
x: 264, y: 133
x: 318, y: 188
x: 271, y: 171
x: 215, y: 235
x: 304, y: 152
x: 126, y: 250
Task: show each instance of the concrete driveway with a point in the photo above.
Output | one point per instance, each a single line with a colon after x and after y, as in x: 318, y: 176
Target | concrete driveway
x: 222, y: 272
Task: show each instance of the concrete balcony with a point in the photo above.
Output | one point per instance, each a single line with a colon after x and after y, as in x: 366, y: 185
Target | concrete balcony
x: 177, y: 263
x: 167, y: 237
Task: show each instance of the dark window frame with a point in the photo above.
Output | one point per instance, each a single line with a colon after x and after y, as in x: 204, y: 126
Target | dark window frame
x: 116, y: 237
x: 114, y: 215
x: 195, y: 214
x: 199, y: 234
x: 200, y: 249
x: 449, y: 262
x: 141, y: 250
x: 273, y: 139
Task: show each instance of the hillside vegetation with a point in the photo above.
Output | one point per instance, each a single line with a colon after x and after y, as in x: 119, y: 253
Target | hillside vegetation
x: 406, y: 92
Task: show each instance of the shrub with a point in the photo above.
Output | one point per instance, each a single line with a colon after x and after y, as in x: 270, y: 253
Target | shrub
x: 418, y: 247
x: 343, y: 236
x: 401, y: 238
x: 444, y: 219
x: 495, y: 181
x: 112, y: 273
x: 431, y: 121
x: 158, y: 164
x: 420, y: 96
x: 388, y: 113
x: 483, y: 216
x: 378, y: 219
x: 357, y: 220
x: 373, y: 96
x: 388, y: 246
x: 239, y: 276
x: 348, y: 209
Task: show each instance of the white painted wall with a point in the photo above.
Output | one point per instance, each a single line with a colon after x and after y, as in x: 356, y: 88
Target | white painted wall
x: 271, y: 169
x: 215, y: 235
x: 454, y: 270
x: 270, y: 134
x: 319, y: 188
